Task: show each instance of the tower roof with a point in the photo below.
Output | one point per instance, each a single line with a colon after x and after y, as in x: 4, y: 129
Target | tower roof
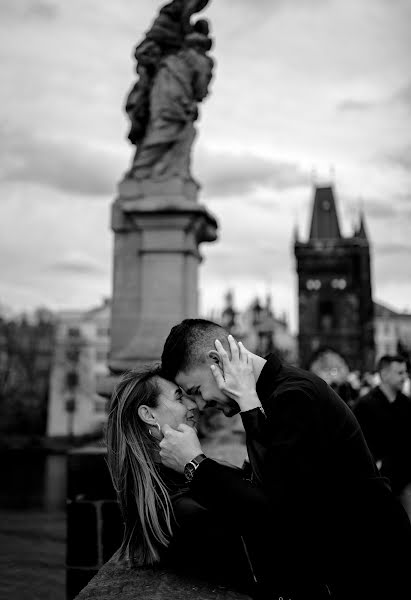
x: 324, y: 221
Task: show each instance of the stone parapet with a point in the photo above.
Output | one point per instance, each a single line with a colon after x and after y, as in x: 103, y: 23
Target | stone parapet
x: 116, y: 580
x: 94, y: 523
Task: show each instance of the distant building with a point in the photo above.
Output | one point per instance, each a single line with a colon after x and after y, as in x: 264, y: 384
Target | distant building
x: 81, y: 354
x: 259, y: 328
x: 392, y: 331
x: 334, y: 289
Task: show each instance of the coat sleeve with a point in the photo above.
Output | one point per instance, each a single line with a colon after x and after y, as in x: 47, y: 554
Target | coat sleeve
x: 206, y: 545
x: 246, y: 508
x: 284, y: 446
x: 224, y: 489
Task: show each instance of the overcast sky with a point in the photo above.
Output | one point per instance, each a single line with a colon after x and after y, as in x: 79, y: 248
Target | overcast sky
x: 300, y: 86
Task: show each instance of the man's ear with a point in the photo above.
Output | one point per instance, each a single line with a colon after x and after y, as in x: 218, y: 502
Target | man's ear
x: 215, y: 357
x: 146, y: 415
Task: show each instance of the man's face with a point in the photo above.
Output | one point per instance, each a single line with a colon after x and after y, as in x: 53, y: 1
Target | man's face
x: 199, y: 383
x: 394, y: 375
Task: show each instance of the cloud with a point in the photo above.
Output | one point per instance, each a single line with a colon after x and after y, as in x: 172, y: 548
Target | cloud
x: 403, y: 96
x: 63, y: 164
x: 351, y: 105
x: 28, y: 9
x: 76, y: 263
x: 399, y: 158
x: 394, y: 248
x: 228, y: 174
x: 373, y: 207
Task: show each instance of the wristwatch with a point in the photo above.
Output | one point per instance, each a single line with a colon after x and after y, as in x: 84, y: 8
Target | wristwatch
x: 191, y: 467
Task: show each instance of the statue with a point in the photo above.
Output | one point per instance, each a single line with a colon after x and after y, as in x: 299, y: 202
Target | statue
x: 174, y: 72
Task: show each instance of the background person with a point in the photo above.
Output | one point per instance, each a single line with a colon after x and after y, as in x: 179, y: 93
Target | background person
x: 385, y: 418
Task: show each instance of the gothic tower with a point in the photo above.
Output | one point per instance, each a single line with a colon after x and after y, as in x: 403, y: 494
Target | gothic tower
x: 334, y: 288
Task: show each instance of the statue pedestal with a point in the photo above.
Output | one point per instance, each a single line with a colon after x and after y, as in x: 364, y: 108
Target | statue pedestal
x: 156, y: 258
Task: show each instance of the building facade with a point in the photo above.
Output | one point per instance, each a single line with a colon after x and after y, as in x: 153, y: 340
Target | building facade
x: 335, y: 305
x: 259, y: 328
x: 80, y: 360
x: 392, y: 331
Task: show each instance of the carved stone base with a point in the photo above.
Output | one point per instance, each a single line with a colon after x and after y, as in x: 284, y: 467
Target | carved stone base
x: 169, y: 189
x: 156, y: 258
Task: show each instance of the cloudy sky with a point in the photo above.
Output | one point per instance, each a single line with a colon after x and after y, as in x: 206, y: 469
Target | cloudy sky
x: 302, y: 89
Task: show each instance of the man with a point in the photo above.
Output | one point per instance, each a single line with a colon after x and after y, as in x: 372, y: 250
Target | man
x: 333, y: 517
x: 385, y: 418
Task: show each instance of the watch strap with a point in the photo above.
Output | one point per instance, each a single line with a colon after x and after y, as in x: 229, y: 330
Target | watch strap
x: 191, y: 467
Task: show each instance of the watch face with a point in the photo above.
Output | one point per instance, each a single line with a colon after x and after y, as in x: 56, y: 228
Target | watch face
x: 189, y: 471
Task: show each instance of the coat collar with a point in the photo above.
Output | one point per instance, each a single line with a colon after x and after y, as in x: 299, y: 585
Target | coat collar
x: 268, y: 375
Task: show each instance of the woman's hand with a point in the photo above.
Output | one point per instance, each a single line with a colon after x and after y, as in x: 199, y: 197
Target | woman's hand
x: 236, y: 377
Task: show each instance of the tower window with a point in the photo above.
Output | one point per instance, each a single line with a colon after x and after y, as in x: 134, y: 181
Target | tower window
x: 339, y: 284
x: 313, y: 284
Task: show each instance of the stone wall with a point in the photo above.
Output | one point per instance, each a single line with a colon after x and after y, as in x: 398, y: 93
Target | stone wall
x: 94, y: 523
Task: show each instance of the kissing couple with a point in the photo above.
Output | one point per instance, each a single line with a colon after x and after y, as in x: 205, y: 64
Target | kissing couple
x: 310, y: 518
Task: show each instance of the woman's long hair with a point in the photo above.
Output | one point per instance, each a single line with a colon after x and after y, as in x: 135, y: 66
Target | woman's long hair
x: 144, y: 499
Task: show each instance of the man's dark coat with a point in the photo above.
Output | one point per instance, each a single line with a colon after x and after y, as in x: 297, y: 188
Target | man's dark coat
x: 317, y: 508
x: 387, y: 430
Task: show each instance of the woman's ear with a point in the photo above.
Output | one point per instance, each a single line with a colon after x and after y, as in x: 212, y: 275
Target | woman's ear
x: 146, y: 415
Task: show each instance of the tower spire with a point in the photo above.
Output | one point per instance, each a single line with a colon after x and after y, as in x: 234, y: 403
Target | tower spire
x: 362, y: 231
x: 324, y: 221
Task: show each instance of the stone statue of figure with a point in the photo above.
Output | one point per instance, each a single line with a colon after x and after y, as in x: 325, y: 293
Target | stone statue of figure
x: 174, y: 72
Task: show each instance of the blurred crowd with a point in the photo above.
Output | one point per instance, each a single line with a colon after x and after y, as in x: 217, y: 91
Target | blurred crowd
x: 381, y: 402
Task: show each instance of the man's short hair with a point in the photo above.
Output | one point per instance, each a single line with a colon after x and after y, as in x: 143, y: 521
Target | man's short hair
x: 387, y: 360
x: 187, y: 344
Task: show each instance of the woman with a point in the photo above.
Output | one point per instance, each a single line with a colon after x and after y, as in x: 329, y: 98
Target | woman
x: 142, y: 404
x: 163, y: 521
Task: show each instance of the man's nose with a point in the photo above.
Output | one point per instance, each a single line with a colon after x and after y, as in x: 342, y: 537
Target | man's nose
x: 200, y: 402
x: 190, y: 403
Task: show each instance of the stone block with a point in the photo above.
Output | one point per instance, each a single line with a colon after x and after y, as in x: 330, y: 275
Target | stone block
x: 88, y: 477
x: 82, y: 535
x: 76, y: 580
x: 169, y: 188
x: 115, y: 581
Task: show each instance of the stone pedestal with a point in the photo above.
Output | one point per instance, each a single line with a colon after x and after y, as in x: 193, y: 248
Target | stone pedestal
x: 158, y: 228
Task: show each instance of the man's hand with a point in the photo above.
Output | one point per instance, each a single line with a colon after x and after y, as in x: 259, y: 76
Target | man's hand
x: 179, y: 446
x: 236, y: 379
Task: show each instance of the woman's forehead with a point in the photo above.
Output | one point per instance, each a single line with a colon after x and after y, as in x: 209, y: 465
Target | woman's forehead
x: 168, y: 388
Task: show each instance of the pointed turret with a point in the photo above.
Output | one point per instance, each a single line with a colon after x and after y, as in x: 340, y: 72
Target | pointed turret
x: 269, y: 304
x: 362, y: 232
x: 324, y: 221
x: 229, y: 313
x: 296, y: 234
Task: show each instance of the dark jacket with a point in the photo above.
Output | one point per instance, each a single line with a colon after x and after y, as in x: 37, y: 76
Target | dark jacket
x: 326, y: 514
x: 387, y: 430
x: 206, y: 544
